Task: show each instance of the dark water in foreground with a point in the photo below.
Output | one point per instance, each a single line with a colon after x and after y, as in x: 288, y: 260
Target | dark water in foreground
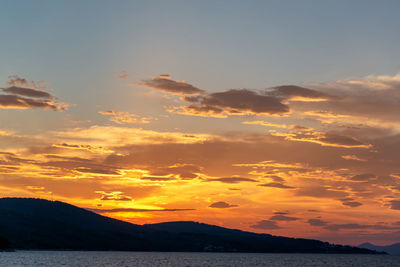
x: 84, y: 258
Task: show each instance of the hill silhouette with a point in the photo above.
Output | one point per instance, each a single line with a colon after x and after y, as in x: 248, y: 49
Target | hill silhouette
x: 393, y: 249
x: 42, y: 224
x: 4, y: 243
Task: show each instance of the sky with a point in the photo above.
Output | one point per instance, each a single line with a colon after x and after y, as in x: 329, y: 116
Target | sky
x: 277, y: 117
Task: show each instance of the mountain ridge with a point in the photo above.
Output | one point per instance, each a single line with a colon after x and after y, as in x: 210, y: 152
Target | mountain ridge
x: 41, y: 224
x: 393, y: 249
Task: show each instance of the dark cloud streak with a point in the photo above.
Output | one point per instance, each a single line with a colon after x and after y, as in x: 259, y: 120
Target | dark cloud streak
x: 165, y: 83
x: 222, y: 205
x: 29, y: 92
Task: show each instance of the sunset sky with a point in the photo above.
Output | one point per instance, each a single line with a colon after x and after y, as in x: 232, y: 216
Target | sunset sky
x: 278, y: 117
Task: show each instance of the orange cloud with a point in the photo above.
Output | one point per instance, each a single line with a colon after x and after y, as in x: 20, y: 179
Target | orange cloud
x: 276, y: 125
x: 118, y: 136
x: 116, y: 196
x: 353, y: 157
x: 324, y: 139
x: 90, y: 148
x: 271, y: 164
x: 325, y: 114
x: 125, y: 117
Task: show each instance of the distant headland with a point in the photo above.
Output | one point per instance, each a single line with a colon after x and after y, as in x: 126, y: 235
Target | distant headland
x: 27, y: 223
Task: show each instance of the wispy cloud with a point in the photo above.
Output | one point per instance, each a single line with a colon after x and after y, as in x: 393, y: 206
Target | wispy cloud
x: 125, y: 117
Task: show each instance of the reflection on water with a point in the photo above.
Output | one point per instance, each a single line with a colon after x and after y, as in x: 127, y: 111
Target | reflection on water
x: 94, y: 258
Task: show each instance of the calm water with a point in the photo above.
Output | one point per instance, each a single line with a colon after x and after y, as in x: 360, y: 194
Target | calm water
x: 82, y: 258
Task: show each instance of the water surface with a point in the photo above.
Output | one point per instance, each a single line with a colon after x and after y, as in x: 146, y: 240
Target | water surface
x: 121, y: 259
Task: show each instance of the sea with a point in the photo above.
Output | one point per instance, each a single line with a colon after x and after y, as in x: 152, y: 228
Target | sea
x: 124, y: 259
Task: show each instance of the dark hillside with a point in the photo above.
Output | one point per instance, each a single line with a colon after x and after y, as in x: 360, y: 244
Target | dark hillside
x: 42, y: 224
